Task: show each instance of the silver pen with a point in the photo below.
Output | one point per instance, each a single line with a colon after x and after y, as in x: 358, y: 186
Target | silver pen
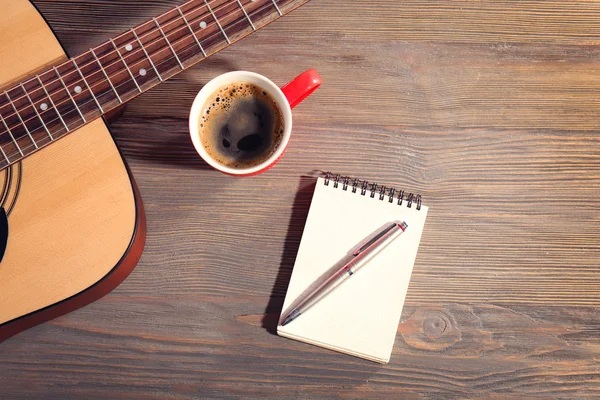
x: 361, y: 256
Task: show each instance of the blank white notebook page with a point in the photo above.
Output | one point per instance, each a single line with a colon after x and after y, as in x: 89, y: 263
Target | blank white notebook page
x: 361, y: 316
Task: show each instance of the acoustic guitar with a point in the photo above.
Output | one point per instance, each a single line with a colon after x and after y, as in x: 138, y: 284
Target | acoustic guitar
x: 72, y: 225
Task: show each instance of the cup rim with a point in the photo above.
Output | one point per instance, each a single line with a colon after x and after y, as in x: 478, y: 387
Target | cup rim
x: 264, y: 83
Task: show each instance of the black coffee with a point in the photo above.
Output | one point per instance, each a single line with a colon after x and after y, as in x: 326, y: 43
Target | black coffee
x: 241, y: 125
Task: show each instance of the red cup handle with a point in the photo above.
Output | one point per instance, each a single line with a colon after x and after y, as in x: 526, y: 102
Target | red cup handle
x: 301, y: 87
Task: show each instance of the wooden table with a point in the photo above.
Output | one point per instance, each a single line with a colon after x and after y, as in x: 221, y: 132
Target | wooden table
x: 489, y: 109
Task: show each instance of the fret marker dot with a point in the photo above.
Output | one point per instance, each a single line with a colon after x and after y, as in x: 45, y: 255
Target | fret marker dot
x: 43, y: 106
x: 78, y: 89
x: 203, y: 25
x: 143, y: 72
x: 129, y: 47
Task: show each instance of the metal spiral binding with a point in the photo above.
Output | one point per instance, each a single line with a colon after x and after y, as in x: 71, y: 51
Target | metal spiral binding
x: 410, y: 199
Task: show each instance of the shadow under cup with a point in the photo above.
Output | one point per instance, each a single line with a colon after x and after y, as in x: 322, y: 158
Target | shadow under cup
x: 240, y: 123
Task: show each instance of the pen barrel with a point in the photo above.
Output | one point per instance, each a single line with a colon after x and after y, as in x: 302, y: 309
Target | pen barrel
x: 324, y: 289
x: 363, y: 258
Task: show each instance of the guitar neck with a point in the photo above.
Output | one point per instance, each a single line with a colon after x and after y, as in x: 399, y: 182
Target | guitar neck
x: 44, y: 108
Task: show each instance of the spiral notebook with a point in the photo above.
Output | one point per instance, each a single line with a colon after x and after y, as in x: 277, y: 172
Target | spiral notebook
x: 361, y: 316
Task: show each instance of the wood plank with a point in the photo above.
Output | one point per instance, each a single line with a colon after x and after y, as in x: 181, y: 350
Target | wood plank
x: 157, y: 346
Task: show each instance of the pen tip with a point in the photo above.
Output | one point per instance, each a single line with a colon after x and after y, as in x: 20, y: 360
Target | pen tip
x: 292, y: 316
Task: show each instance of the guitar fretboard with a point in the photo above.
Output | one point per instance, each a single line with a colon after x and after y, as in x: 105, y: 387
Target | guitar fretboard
x: 44, y: 108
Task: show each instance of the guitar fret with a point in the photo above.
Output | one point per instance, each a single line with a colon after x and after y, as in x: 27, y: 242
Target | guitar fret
x: 147, y: 55
x: 169, y: 44
x: 88, y: 86
x: 83, y: 98
x: 261, y: 12
x: 4, y: 154
x: 68, y: 93
x: 37, y: 113
x: 20, y: 119
x: 54, y: 105
x: 237, y: 17
x: 12, y: 137
x: 106, y: 76
x: 126, y: 66
x: 191, y: 30
x: 277, y: 7
x: 136, y: 62
x: 217, y: 21
x: 246, y: 14
x: 206, y: 34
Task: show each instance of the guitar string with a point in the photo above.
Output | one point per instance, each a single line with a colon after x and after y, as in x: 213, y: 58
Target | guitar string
x: 26, y: 147
x: 180, y: 27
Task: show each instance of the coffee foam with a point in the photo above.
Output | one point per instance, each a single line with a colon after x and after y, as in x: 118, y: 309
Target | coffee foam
x: 221, y: 104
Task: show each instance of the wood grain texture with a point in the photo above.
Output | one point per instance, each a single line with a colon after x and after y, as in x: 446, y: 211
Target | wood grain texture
x: 489, y: 109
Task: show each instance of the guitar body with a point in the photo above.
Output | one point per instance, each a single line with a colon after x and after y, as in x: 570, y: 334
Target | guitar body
x: 76, y: 226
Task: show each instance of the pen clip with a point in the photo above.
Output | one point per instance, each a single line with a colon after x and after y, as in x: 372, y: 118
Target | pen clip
x: 375, y: 238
